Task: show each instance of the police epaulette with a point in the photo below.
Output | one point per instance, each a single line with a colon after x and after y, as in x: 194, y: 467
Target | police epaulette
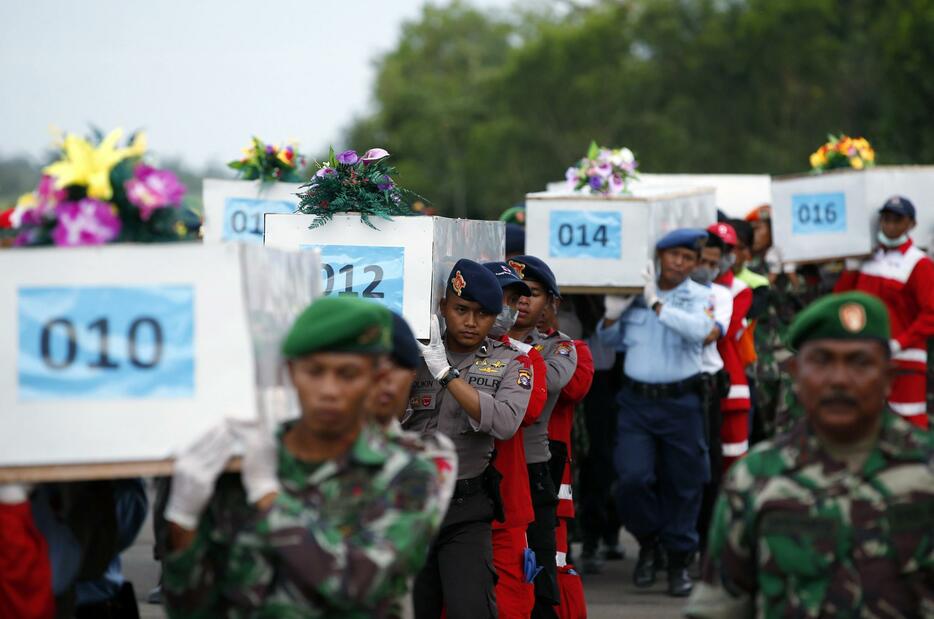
x: 501, y: 343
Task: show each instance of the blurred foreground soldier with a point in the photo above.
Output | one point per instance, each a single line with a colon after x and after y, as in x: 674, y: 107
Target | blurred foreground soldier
x: 903, y: 277
x: 661, y: 453
x: 473, y: 389
x: 331, y: 518
x: 389, y: 399
x: 836, y: 517
x: 560, y: 356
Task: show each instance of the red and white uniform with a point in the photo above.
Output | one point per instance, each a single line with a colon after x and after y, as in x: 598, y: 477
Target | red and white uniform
x: 573, y: 605
x: 903, y: 278
x: 25, y: 572
x: 515, y: 598
x: 734, y: 431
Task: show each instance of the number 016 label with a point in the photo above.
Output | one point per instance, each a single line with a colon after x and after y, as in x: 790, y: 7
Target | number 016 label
x: 365, y: 271
x: 585, y: 234
x: 97, y: 343
x: 818, y: 213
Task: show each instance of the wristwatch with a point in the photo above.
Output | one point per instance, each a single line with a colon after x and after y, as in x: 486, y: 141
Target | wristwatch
x: 449, y: 376
x: 656, y: 305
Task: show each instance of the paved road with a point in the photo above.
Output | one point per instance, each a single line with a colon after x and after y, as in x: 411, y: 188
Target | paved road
x: 610, y: 595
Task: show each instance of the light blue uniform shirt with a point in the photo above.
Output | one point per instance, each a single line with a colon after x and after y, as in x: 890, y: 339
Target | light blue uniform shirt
x: 664, y: 347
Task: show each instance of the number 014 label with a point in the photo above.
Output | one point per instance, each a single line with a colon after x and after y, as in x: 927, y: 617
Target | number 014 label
x: 585, y: 234
x: 97, y: 343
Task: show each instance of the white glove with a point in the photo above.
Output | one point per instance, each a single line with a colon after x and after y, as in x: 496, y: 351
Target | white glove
x: 895, y: 347
x: 616, y: 304
x: 434, y: 354
x: 260, y: 458
x: 197, y: 467
x: 13, y: 494
x: 853, y: 264
x: 650, y: 291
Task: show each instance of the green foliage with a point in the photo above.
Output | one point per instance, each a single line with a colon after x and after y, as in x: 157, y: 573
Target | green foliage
x: 479, y: 110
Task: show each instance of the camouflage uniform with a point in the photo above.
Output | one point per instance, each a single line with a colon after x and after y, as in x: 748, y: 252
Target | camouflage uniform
x: 340, y: 540
x: 797, y: 533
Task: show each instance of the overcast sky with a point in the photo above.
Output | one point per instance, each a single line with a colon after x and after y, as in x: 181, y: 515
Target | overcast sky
x: 200, y: 76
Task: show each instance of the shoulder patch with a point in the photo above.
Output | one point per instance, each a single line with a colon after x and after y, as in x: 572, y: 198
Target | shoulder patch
x: 564, y: 348
x: 525, y: 379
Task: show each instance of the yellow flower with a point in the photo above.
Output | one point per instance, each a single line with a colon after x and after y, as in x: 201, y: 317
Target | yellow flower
x: 83, y: 164
x: 818, y: 159
x: 867, y: 154
x: 856, y: 163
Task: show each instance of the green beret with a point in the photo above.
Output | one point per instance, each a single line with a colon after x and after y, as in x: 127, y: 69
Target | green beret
x: 340, y: 324
x: 845, y: 316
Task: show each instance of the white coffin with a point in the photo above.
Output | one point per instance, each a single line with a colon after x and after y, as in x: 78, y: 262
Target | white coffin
x: 119, y: 354
x: 736, y: 194
x: 595, y: 243
x: 403, y: 265
x: 833, y: 215
x: 234, y: 210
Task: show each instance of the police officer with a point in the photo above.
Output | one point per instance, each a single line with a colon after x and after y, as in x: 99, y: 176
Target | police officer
x: 473, y: 389
x: 661, y: 453
x: 835, y: 517
x: 561, y: 361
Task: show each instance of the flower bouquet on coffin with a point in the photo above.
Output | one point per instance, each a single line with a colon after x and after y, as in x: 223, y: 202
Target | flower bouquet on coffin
x: 603, y: 170
x: 269, y: 163
x: 844, y: 152
x: 349, y: 183
x: 100, y: 192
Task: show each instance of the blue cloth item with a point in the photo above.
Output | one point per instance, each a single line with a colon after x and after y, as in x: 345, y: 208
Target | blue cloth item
x: 404, y: 347
x: 531, y: 568
x: 899, y: 205
x: 506, y: 277
x: 664, y: 347
x: 535, y: 269
x: 470, y: 281
x: 691, y: 238
x: 515, y: 239
x: 662, y: 464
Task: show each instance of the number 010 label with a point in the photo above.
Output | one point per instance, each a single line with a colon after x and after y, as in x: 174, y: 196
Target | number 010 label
x: 818, y: 213
x: 364, y: 271
x: 585, y: 234
x: 99, y: 343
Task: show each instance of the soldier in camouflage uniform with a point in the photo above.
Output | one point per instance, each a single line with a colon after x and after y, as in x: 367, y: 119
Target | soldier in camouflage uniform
x: 329, y: 518
x: 836, y: 517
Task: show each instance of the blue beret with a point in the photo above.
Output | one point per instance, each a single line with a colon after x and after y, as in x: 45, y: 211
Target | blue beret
x: 515, y: 239
x: 899, y: 205
x: 530, y: 267
x: 471, y: 282
x: 506, y: 277
x: 404, y: 348
x: 689, y: 238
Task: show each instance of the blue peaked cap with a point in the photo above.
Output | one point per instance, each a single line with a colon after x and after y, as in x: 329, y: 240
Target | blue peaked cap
x: 470, y: 281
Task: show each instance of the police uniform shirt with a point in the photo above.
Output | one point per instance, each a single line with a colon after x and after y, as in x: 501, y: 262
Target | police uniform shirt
x: 560, y: 357
x: 504, y: 385
x: 664, y: 347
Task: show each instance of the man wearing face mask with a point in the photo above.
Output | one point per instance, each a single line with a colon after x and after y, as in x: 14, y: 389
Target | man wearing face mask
x: 661, y: 452
x: 515, y: 595
x: 716, y: 382
x: 734, y: 431
x: 902, y: 276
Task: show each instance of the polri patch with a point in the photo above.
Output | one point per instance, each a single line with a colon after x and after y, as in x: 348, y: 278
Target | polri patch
x: 525, y: 379
x: 564, y: 348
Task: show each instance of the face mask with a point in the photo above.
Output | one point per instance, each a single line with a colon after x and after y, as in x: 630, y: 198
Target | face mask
x: 504, y: 321
x: 727, y: 262
x: 891, y: 243
x: 704, y: 275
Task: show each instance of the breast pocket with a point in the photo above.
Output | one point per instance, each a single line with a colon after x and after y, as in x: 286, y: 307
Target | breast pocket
x: 634, y: 322
x: 797, y: 553
x: 911, y: 526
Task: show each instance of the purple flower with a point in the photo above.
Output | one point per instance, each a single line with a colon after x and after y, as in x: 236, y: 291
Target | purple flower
x: 374, y: 154
x: 348, y: 157
x: 88, y: 222
x: 270, y: 149
x: 325, y: 171
x: 386, y: 185
x: 596, y: 182
x: 151, y: 189
x: 617, y: 184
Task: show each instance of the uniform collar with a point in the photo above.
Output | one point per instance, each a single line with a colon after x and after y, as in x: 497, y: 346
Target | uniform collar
x: 369, y: 449
x: 903, y: 248
x: 897, y: 441
x: 726, y: 278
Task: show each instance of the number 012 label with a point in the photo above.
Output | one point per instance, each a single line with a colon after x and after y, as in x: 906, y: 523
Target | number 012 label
x: 365, y: 271
x: 585, y: 234
x: 101, y: 343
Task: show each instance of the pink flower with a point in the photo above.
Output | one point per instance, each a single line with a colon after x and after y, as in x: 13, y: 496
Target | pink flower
x: 151, y: 189
x: 374, y: 154
x: 88, y: 222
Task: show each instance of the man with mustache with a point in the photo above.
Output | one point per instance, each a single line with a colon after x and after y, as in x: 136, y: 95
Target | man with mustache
x: 835, y: 517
